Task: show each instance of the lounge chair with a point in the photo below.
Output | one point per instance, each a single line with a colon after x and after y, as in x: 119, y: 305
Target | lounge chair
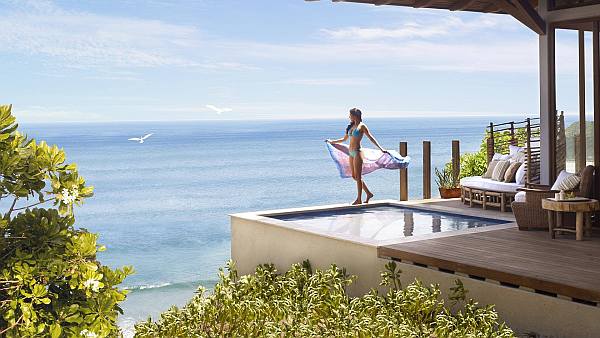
x: 527, y: 206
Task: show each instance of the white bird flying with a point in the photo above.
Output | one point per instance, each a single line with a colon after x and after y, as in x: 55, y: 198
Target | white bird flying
x: 140, y: 139
x: 218, y: 110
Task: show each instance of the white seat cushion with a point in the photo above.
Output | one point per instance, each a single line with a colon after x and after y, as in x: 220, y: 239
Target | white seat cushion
x: 477, y: 182
x: 521, y: 196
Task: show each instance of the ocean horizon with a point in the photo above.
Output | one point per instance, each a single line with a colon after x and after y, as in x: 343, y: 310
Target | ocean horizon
x: 163, y: 206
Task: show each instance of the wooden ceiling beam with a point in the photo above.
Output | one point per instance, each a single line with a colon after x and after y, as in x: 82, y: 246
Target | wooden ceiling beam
x: 461, y: 5
x: 525, y: 13
x: 423, y: 3
x: 526, y: 8
x: 492, y: 7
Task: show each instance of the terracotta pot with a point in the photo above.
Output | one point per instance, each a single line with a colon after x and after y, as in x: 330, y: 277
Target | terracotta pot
x: 449, y: 192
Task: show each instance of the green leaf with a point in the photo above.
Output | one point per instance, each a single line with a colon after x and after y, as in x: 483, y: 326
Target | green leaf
x: 55, y: 330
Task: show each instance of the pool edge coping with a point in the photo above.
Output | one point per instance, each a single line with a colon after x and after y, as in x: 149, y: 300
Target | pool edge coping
x: 262, y: 217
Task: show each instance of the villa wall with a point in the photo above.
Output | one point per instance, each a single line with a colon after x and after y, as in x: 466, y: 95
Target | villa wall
x: 522, y: 310
x: 254, y: 242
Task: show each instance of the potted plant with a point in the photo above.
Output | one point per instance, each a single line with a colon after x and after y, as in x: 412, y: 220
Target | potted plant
x: 447, y: 182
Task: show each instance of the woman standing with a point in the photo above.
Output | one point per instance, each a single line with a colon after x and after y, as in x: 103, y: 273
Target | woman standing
x: 355, y: 131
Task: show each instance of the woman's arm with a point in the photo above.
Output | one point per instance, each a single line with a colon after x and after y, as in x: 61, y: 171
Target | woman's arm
x: 368, y: 133
x: 340, y: 140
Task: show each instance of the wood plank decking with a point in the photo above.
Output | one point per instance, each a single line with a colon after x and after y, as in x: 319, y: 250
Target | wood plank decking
x: 562, y: 266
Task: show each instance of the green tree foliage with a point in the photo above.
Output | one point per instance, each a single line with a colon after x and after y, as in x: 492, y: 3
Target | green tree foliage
x: 51, y: 284
x: 302, y: 303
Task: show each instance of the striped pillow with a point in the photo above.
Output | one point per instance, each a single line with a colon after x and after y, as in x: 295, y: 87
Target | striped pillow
x: 500, y: 170
x: 511, y: 172
x: 490, y: 169
x: 566, y: 181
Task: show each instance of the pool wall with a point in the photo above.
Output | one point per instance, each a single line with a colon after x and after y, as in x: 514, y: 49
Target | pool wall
x: 256, y: 239
x: 254, y: 242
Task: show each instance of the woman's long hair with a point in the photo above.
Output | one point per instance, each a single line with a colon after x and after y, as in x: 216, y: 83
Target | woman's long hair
x: 356, y: 113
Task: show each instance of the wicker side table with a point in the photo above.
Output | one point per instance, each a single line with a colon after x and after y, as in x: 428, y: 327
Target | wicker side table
x: 582, y: 209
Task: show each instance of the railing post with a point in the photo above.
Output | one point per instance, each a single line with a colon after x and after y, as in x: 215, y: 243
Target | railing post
x: 426, y: 170
x: 490, y: 144
x: 528, y: 159
x: 577, y: 153
x: 513, y: 141
x: 403, y: 173
x: 456, y: 159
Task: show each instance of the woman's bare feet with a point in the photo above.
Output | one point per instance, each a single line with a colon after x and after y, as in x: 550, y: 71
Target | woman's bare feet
x: 369, y: 196
x: 357, y: 202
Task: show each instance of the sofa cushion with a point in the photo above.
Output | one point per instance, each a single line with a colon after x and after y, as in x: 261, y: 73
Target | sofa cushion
x: 500, y: 170
x: 480, y: 183
x: 514, y: 150
x: 490, y: 169
x: 501, y: 157
x: 566, y: 181
x: 511, y: 172
x: 521, y: 196
x: 520, y: 176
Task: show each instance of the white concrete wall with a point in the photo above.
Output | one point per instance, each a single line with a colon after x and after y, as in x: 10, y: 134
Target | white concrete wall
x: 522, y: 310
x: 254, y: 243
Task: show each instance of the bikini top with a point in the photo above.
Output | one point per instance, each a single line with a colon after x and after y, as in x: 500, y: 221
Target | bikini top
x: 354, y: 132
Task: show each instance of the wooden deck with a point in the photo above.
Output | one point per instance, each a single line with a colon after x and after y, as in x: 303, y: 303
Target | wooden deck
x: 531, y: 260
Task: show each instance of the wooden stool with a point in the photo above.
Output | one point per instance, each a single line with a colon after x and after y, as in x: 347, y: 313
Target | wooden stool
x: 583, y: 211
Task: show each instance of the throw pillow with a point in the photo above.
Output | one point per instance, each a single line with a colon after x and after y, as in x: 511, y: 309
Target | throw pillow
x: 511, y: 172
x: 501, y: 157
x: 500, y: 170
x: 513, y: 150
x: 490, y: 169
x: 521, y: 177
x: 519, y: 157
x: 566, y: 181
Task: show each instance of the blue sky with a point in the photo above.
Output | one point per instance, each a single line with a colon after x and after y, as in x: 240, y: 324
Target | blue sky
x: 166, y: 60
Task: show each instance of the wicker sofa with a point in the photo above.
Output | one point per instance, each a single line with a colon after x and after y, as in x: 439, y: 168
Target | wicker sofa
x: 529, y: 213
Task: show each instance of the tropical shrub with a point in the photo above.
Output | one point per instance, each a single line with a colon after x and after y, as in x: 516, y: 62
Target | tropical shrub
x: 473, y: 164
x: 445, y: 178
x: 302, y: 303
x: 51, y: 283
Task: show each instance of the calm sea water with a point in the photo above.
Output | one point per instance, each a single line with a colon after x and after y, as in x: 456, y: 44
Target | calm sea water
x: 163, y: 206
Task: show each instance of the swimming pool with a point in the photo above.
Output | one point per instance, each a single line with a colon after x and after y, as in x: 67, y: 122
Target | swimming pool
x: 384, y: 222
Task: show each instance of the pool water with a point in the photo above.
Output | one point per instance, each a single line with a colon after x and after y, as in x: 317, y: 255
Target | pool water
x: 384, y: 222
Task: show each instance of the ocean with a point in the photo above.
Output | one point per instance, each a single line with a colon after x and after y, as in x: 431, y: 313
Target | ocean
x: 163, y: 206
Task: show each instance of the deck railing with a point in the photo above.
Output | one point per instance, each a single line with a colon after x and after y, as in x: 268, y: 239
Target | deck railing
x: 525, y: 134
x: 500, y: 136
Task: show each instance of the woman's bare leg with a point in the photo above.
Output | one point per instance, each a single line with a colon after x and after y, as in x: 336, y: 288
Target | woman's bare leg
x: 364, y: 184
x: 366, y: 189
x: 351, y: 161
x: 358, y: 178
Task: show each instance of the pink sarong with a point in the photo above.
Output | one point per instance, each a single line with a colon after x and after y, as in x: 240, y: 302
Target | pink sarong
x: 372, y: 159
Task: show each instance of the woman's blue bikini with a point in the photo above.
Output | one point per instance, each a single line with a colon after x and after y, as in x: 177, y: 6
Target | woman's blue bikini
x: 354, y: 133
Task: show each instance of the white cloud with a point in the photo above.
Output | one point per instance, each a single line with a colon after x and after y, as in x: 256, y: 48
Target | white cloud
x: 329, y: 81
x: 54, y: 114
x: 494, y: 56
x: 413, y: 29
x: 82, y: 40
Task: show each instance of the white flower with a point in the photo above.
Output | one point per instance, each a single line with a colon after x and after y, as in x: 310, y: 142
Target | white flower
x: 92, y: 284
x: 68, y: 197
x: 88, y: 334
x: 74, y: 193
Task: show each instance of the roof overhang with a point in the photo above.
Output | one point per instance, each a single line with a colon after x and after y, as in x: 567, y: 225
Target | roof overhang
x: 522, y: 10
